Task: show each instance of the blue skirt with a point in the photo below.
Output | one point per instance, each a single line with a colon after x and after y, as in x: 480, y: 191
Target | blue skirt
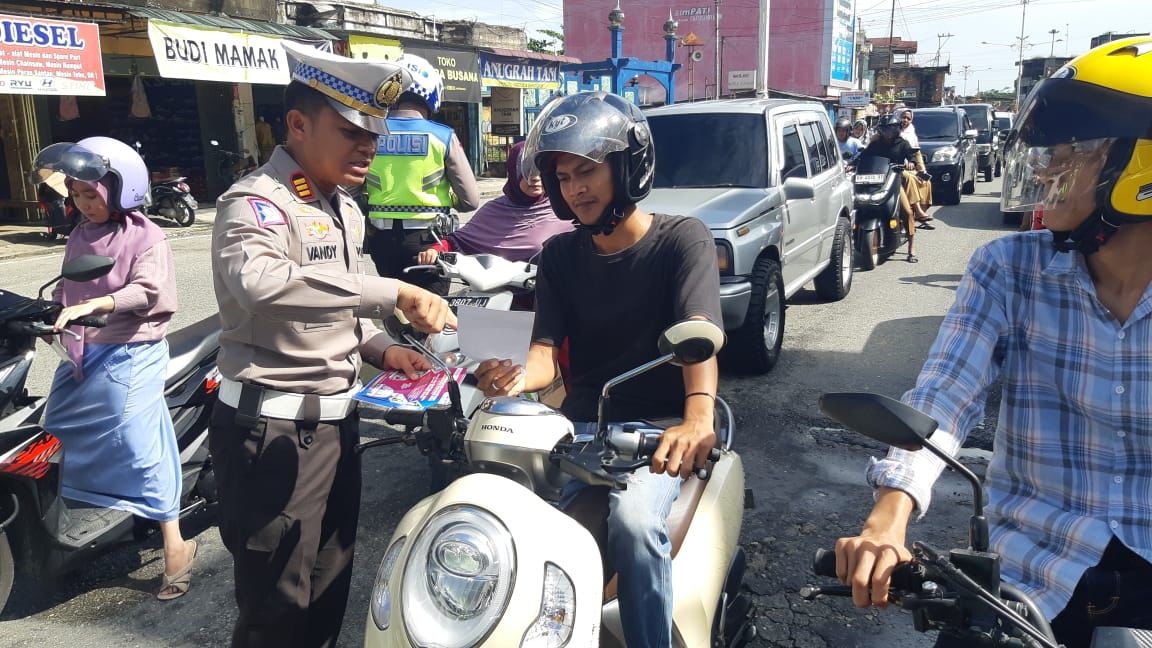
x: 120, y: 448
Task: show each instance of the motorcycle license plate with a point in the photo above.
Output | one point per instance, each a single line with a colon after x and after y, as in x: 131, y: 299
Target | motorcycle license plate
x: 872, y: 178
x: 479, y: 302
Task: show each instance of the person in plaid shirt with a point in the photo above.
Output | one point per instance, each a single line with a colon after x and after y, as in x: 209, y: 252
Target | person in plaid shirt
x: 1063, y: 316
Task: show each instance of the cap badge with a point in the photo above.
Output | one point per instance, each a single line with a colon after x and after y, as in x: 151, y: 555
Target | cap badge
x: 389, y: 91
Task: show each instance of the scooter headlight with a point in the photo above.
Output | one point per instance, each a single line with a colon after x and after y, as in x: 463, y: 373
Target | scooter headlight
x: 553, y: 627
x: 381, y: 602
x: 458, y: 578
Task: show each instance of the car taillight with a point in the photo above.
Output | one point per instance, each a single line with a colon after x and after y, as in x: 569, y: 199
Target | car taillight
x: 183, y: 187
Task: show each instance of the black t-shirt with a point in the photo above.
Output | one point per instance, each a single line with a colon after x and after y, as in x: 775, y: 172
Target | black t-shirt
x: 898, y: 150
x: 613, y: 308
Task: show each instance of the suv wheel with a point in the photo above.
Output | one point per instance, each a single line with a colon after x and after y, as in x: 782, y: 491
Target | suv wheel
x: 834, y: 283
x: 755, y: 346
x: 969, y: 187
x: 950, y: 194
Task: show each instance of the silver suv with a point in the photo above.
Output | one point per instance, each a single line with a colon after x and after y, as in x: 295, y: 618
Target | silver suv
x: 765, y: 176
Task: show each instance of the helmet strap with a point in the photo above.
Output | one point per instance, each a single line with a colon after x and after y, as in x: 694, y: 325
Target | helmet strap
x: 607, y: 222
x: 1088, y: 237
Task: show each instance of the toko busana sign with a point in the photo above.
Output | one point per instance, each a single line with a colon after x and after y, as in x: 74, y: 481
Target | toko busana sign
x: 44, y: 57
x: 209, y: 55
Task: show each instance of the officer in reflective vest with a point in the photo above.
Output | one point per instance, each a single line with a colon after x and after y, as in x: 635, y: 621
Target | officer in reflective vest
x: 420, y: 172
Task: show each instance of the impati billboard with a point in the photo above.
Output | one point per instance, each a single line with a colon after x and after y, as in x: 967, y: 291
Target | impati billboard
x: 44, y: 56
x: 811, y: 41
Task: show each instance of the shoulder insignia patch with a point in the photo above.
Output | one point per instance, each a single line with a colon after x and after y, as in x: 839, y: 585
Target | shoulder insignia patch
x: 267, y: 214
x: 302, y: 187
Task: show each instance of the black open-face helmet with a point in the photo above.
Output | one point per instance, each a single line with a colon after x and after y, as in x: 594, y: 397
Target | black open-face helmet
x: 601, y: 127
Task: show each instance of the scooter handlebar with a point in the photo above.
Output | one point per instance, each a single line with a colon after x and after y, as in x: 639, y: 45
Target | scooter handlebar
x: 404, y: 417
x: 93, y: 321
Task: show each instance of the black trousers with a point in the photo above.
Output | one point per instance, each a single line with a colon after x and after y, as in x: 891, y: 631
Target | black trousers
x: 394, y: 249
x: 1116, y: 592
x: 289, y: 506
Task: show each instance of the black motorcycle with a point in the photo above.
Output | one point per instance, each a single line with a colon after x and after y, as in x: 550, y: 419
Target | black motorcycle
x: 958, y: 593
x: 172, y: 198
x: 42, y: 534
x: 233, y: 165
x: 880, y: 229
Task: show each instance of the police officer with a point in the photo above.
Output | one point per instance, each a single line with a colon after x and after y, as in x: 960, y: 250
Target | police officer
x: 294, y: 308
x: 420, y: 172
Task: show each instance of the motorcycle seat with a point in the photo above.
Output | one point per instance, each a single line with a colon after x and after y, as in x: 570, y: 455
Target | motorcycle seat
x: 189, y: 346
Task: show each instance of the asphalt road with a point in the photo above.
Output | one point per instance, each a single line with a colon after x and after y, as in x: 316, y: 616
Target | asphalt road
x: 807, y: 476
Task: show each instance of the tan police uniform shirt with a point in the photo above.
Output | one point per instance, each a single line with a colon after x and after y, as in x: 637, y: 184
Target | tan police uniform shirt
x: 289, y: 280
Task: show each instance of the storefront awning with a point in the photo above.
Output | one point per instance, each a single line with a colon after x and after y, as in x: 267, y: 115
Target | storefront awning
x: 226, y: 23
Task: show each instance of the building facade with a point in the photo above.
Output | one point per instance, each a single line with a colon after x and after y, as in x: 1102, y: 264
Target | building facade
x: 811, y: 43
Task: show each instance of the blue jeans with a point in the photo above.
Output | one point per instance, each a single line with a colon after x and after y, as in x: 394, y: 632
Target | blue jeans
x: 639, y: 548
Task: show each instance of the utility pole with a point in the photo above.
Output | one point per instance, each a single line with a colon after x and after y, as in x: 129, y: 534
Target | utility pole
x: 891, y: 42
x: 719, y: 46
x: 940, y: 40
x: 966, y: 72
x: 762, y: 59
x: 1020, y: 60
x: 1052, y: 47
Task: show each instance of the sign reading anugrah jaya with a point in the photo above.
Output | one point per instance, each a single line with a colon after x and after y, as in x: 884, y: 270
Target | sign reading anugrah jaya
x: 42, y: 56
x: 208, y: 55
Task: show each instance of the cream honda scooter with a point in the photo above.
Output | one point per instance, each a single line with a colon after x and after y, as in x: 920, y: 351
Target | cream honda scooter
x: 491, y: 561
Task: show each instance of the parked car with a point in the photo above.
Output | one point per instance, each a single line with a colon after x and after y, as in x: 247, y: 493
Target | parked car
x: 988, y: 149
x: 765, y: 176
x: 948, y: 143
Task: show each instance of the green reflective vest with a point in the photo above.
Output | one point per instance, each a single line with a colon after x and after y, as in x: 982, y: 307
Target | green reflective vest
x: 406, y: 179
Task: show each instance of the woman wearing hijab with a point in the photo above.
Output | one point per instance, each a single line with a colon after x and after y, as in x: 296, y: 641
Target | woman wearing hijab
x: 107, y: 401
x: 513, y: 226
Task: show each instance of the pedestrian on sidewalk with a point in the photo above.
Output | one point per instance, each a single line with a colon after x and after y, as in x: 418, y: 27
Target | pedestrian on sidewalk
x: 420, y: 173
x: 294, y: 308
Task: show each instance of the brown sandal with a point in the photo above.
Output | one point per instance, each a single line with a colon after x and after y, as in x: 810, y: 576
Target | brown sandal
x: 179, y: 581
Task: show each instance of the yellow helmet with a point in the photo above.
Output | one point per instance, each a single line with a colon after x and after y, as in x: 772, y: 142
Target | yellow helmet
x: 1095, y: 113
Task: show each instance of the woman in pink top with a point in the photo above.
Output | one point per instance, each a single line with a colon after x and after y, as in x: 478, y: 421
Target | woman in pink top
x: 107, y: 402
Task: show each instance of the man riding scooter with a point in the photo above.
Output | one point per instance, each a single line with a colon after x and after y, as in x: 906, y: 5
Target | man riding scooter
x: 609, y: 288
x: 890, y: 145
x: 1062, y: 319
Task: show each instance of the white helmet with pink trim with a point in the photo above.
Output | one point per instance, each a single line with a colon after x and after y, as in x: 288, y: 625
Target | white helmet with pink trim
x: 93, y: 158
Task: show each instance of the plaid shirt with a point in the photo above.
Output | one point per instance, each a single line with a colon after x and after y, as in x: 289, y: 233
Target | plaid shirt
x: 1072, y: 465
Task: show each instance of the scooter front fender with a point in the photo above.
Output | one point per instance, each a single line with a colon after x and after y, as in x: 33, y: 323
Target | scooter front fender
x: 541, y: 535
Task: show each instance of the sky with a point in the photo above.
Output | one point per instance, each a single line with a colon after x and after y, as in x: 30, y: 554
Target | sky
x: 970, y: 23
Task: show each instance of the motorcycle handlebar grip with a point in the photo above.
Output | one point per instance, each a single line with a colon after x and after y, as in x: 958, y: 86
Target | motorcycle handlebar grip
x: 824, y: 563
x: 94, y: 321
x: 404, y: 417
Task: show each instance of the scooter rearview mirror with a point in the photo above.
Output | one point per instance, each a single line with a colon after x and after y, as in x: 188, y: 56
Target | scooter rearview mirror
x: 891, y: 422
x: 83, y: 268
x: 691, y: 342
x: 881, y: 418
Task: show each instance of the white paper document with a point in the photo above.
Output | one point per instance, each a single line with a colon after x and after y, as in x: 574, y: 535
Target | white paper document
x: 504, y: 335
